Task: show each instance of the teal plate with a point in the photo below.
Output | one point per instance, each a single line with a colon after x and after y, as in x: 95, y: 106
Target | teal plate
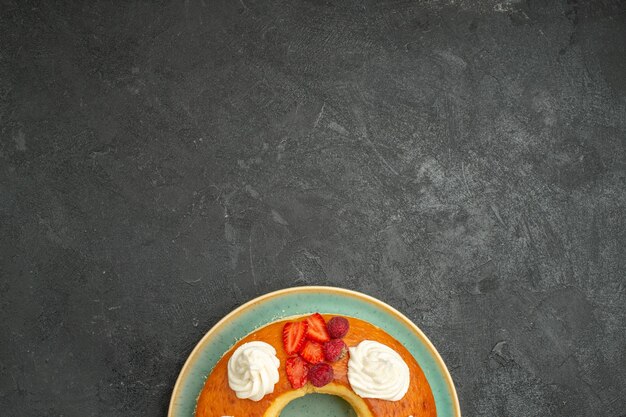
x: 303, y: 300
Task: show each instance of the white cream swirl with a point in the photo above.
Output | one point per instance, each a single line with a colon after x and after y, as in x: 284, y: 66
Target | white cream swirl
x: 377, y: 371
x: 253, y: 370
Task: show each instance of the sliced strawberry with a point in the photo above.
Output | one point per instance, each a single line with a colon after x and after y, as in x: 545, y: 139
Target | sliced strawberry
x: 312, y: 352
x: 294, y: 333
x: 317, y: 328
x: 297, y: 371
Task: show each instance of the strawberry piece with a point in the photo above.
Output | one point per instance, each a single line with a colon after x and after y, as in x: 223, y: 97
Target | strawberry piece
x: 297, y: 371
x: 338, y: 327
x: 317, y: 328
x: 294, y: 335
x: 321, y: 374
x: 334, y: 350
x: 312, y: 352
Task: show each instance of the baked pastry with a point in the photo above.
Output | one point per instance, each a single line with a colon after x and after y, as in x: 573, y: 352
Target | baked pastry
x: 287, y: 359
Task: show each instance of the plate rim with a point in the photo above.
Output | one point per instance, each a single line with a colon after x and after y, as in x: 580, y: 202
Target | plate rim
x: 192, y: 357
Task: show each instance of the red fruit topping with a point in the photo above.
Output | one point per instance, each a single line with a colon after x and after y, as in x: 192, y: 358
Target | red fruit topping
x: 312, y: 352
x: 321, y: 374
x: 338, y: 327
x: 334, y: 350
x: 297, y: 370
x: 294, y: 336
x: 317, y: 328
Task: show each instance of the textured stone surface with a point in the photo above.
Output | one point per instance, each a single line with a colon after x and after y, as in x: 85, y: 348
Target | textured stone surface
x: 160, y: 164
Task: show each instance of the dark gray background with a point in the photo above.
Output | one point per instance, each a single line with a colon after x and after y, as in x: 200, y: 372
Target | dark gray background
x: 162, y: 163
